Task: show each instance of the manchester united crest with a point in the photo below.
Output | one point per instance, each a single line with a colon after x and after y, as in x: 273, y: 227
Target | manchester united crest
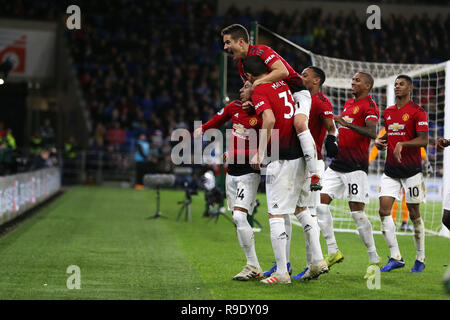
x: 356, y: 110
x: 405, y: 117
x: 253, y: 122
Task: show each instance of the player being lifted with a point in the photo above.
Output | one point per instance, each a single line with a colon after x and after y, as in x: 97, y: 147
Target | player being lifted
x: 241, y: 180
x: 346, y: 177
x: 406, y: 126
x: 236, y: 42
x: 321, y: 124
x: 274, y: 103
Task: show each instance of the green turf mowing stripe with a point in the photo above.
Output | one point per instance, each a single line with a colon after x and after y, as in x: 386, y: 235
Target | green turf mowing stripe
x: 104, y: 231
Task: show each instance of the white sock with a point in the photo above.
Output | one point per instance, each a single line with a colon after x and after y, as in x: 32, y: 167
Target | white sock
x: 419, y: 238
x: 308, y: 249
x: 278, y: 237
x: 246, y: 237
x: 309, y: 150
x: 366, y: 234
x: 388, y: 229
x: 325, y: 221
x: 288, y: 227
x: 312, y: 234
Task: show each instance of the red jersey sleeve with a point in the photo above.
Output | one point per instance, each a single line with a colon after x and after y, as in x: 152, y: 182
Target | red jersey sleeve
x: 219, y: 118
x: 268, y: 55
x: 372, y: 113
x: 326, y: 109
x: 260, y: 101
x: 421, y: 120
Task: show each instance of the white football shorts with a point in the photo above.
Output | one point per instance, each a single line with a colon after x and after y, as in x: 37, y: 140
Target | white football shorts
x: 302, y: 101
x: 241, y: 191
x: 353, y: 186
x: 414, y: 188
x: 284, y: 181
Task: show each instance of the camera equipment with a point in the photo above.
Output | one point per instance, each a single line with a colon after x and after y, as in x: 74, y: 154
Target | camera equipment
x: 157, y: 181
x: 213, y: 196
x: 186, y: 204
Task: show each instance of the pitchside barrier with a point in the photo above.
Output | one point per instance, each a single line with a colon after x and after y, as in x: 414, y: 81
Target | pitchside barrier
x: 21, y: 192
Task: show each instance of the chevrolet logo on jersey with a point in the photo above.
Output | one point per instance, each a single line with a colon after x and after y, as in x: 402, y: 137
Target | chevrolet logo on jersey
x: 240, y: 131
x: 239, y: 128
x: 396, y: 127
x: 348, y: 119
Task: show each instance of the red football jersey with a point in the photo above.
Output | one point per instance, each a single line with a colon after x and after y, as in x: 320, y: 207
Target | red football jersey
x: 321, y: 108
x: 402, y: 125
x: 353, y: 148
x: 243, y: 122
x: 269, y: 56
x: 278, y: 97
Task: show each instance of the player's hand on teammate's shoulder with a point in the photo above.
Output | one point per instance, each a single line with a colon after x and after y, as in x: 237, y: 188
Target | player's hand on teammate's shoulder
x: 381, y: 144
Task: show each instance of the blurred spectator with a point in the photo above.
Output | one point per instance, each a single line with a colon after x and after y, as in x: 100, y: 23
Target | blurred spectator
x: 42, y: 161
x: 47, y: 134
x: 7, y: 152
x: 116, y: 136
x: 142, y: 160
x: 36, y: 144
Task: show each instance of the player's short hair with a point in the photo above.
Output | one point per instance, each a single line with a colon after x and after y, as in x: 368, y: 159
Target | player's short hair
x: 236, y: 31
x: 369, y: 78
x: 254, y: 65
x: 406, y: 77
x: 319, y: 73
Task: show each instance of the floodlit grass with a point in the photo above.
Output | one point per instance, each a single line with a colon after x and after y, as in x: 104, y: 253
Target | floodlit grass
x: 124, y: 255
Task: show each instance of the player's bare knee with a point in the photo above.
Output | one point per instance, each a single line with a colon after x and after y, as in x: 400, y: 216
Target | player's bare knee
x: 414, y: 210
x: 299, y: 209
x: 325, y: 198
x: 300, y: 123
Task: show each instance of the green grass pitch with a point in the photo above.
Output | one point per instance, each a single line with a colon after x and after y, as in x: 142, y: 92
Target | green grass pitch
x: 123, y: 255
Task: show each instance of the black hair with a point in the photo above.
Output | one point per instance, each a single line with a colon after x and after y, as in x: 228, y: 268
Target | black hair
x: 407, y: 78
x: 254, y: 65
x: 319, y: 73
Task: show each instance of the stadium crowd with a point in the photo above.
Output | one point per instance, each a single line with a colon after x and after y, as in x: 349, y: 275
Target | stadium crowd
x: 153, y: 66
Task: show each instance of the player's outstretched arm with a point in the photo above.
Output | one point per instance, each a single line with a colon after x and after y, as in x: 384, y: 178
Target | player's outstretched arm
x: 369, y: 130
